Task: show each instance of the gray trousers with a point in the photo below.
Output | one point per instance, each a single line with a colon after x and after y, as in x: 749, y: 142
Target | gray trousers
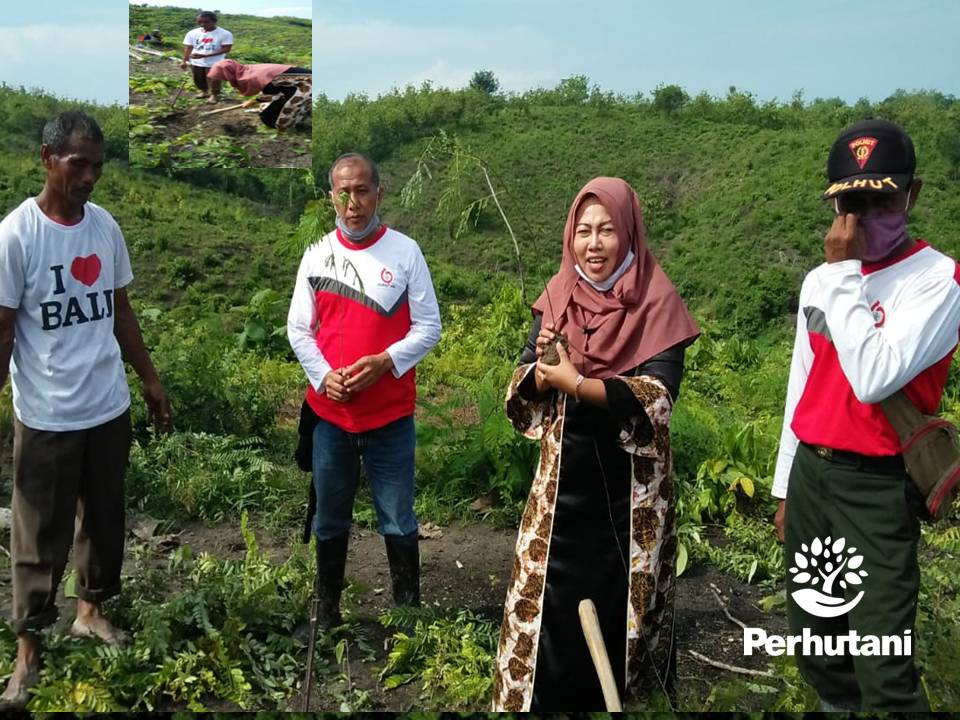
x: 68, y: 487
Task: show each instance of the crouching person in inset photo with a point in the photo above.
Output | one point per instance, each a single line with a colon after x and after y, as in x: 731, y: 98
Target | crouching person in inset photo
x: 877, y: 324
x: 363, y: 315
x: 284, y: 88
x: 65, y: 327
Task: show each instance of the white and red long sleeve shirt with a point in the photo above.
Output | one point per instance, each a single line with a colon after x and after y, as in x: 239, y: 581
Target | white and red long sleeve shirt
x: 864, y: 331
x: 354, y: 300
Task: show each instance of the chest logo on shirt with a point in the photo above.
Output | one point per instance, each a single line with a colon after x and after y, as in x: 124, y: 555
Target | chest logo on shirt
x: 86, y: 269
x: 387, y: 277
x: 879, y: 314
x: 81, y: 308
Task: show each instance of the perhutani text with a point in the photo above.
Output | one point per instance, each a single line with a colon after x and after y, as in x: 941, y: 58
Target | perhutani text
x: 808, y: 644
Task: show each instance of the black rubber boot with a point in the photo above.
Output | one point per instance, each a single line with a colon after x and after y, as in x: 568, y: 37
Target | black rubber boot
x: 331, y: 564
x: 403, y: 554
x: 328, y: 585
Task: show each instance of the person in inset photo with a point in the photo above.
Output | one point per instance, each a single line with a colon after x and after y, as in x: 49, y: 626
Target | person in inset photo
x: 881, y: 315
x: 283, y: 89
x: 203, y: 47
x: 596, y: 384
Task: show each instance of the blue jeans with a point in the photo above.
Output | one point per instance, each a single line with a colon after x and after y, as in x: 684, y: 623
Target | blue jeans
x: 387, y: 454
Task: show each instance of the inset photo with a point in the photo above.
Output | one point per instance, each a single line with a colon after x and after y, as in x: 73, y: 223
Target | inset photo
x: 227, y: 87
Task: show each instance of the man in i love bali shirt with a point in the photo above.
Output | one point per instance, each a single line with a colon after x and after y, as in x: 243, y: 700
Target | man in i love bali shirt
x: 66, y: 325
x: 203, y: 47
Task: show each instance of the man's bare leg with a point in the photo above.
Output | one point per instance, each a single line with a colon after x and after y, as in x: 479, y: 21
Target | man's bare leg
x: 26, y: 673
x: 215, y: 86
x: 90, y: 622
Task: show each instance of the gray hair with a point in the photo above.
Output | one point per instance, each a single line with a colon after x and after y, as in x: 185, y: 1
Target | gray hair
x: 351, y: 156
x: 58, y: 131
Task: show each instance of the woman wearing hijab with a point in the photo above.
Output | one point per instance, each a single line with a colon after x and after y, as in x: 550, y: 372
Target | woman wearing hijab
x: 289, y: 84
x: 599, y: 522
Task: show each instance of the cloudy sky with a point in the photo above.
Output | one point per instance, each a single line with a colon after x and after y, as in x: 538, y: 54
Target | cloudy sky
x: 264, y: 8
x: 845, y: 48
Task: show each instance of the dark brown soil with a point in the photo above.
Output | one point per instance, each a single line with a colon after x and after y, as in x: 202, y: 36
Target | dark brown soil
x: 266, y: 148
x: 469, y: 567
x: 550, y: 355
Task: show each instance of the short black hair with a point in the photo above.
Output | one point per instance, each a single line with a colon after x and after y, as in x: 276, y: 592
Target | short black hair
x: 58, y: 130
x: 208, y: 14
x: 374, y: 170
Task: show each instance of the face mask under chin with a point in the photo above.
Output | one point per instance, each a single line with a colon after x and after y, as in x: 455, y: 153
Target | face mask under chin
x: 358, y: 235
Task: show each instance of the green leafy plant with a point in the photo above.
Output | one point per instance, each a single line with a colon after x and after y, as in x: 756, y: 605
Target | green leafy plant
x: 208, y: 477
x: 460, y: 161
x: 452, y: 656
x: 208, y: 630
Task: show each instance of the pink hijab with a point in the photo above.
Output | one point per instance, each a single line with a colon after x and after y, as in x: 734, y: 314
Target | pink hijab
x: 639, y: 317
x: 247, y: 79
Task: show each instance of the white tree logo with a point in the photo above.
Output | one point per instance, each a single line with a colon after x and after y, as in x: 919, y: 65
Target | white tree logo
x: 825, y: 561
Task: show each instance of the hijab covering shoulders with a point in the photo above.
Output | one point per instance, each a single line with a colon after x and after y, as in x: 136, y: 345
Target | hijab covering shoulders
x: 639, y: 317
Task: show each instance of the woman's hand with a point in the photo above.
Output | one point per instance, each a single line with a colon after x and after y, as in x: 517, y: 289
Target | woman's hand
x: 547, y: 335
x: 562, y: 376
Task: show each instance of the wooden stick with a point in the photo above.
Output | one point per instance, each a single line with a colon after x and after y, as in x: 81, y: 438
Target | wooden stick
x: 598, y: 653
x: 731, y: 668
x: 220, y: 110
x: 147, y: 50
x: 132, y: 54
x: 726, y: 610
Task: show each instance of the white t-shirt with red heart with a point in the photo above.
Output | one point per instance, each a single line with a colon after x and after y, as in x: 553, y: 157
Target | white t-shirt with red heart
x: 206, y: 42
x: 66, y: 370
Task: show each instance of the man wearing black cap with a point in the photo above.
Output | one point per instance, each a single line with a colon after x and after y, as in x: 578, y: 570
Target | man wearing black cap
x: 880, y: 315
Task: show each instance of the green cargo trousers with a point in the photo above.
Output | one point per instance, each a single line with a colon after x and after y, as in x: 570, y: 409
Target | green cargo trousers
x: 872, y: 504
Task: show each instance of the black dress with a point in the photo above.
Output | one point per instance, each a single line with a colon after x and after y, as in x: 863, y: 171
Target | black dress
x: 589, y: 539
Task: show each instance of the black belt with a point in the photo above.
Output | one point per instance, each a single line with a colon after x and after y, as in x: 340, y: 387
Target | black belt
x: 886, y: 464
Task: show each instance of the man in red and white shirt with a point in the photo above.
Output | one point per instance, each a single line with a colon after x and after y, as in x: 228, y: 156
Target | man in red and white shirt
x: 363, y: 314
x: 882, y: 314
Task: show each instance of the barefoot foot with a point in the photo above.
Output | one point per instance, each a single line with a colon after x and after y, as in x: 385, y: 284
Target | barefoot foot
x: 17, y: 694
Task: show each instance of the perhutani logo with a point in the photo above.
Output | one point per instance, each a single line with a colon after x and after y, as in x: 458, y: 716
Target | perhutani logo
x: 822, y: 568
x: 826, y: 561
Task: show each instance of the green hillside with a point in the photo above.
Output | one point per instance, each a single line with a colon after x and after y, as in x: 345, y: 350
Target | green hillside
x: 192, y: 232
x: 729, y: 186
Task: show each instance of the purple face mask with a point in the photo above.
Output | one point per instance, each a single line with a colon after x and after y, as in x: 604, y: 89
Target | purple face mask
x: 882, y: 234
